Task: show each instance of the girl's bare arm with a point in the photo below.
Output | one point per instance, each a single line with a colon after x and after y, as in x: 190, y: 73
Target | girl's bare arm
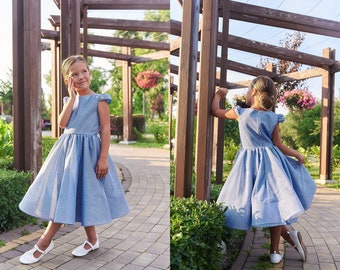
x: 284, y: 148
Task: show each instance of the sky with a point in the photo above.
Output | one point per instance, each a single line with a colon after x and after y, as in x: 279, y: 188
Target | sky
x: 313, y: 44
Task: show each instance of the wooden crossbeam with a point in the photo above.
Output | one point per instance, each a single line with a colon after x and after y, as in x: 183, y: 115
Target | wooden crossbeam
x: 128, y: 4
x: 283, y: 19
x: 113, y: 41
x: 118, y: 24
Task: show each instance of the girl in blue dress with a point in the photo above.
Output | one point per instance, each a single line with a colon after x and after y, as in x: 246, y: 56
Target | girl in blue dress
x: 265, y: 187
x: 78, y: 181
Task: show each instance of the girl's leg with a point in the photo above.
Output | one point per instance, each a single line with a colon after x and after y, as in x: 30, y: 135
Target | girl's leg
x: 47, y: 237
x: 91, y: 236
x: 286, y: 236
x: 275, y: 234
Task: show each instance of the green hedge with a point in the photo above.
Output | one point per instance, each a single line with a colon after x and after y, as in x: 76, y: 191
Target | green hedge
x: 116, y: 125
x: 13, y: 186
x: 197, y: 230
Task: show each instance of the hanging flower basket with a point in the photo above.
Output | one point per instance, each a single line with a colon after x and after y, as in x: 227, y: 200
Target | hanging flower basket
x: 147, y: 79
x: 298, y: 100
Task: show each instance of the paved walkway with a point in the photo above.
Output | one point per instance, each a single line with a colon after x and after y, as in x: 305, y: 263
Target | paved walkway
x: 320, y: 228
x: 140, y: 240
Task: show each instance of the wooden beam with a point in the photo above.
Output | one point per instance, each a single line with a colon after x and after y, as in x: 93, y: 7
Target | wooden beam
x: 327, y: 121
x: 75, y: 27
x: 277, y: 52
x: 133, y: 43
x: 128, y: 4
x: 117, y: 24
x: 27, y: 85
x: 299, y: 75
x: 130, y: 58
x: 246, y: 69
x: 283, y: 19
x: 127, y: 98
x: 175, y: 28
x: 113, y: 41
x: 205, y: 121
x: 175, y: 45
x: 186, y: 100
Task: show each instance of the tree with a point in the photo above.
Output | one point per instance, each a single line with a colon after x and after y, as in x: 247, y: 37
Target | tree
x: 292, y: 42
x: 303, y: 129
x: 152, y: 96
x: 6, y: 94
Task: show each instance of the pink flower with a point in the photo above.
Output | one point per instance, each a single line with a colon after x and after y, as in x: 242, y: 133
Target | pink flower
x: 298, y: 100
x: 147, y: 79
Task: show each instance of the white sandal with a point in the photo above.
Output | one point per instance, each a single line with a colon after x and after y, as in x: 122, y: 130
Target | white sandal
x: 82, y: 251
x: 28, y: 256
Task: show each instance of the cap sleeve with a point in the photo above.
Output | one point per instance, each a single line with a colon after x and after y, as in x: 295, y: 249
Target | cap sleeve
x: 105, y: 97
x: 238, y: 110
x: 280, y: 118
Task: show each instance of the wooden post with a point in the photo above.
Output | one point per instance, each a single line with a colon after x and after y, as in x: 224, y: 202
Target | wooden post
x: 85, y: 33
x: 27, y: 85
x: 327, y: 112
x: 207, y: 77
x: 55, y: 87
x: 219, y: 123
x: 75, y: 27
x: 127, y: 98
x: 186, y: 99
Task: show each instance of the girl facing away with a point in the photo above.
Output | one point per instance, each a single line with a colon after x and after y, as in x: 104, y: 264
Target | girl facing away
x: 265, y: 187
x: 78, y: 181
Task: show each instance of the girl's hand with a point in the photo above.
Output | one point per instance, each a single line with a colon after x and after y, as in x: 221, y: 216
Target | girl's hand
x: 222, y: 92
x: 71, y: 90
x: 102, y: 168
x: 300, y: 158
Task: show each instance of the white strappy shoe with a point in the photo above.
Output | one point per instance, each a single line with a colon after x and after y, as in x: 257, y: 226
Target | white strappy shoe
x: 28, y: 256
x: 300, y: 246
x: 82, y: 251
x: 275, y: 257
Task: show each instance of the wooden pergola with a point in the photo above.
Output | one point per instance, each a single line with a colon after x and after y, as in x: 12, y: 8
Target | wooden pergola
x: 209, y: 135
x: 70, y: 36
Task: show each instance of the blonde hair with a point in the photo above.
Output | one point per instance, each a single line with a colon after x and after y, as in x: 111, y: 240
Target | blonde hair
x: 266, y: 92
x: 69, y: 61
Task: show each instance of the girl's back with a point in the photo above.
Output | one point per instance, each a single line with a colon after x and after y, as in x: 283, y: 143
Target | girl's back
x: 256, y: 127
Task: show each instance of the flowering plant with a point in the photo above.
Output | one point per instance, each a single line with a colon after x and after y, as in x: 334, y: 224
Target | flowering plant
x: 298, y: 100
x: 147, y: 79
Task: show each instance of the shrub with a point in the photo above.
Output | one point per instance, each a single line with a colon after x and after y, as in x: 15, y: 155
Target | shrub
x: 160, y: 131
x: 6, y: 138
x: 116, y: 125
x: 197, y: 231
x: 47, y: 144
x: 13, y: 186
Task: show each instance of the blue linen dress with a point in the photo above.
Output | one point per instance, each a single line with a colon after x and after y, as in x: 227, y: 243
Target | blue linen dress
x: 265, y: 188
x: 66, y: 189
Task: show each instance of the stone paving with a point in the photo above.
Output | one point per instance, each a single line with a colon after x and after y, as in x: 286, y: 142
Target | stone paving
x: 139, y: 240
x: 320, y: 228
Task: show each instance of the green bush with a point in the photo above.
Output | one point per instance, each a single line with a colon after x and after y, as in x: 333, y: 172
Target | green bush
x: 6, y: 139
x: 160, y: 131
x: 197, y: 231
x: 47, y: 144
x: 13, y: 186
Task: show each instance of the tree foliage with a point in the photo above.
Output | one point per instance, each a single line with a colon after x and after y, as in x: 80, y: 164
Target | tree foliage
x: 292, y: 42
x: 156, y: 97
x: 303, y: 129
x: 6, y: 93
